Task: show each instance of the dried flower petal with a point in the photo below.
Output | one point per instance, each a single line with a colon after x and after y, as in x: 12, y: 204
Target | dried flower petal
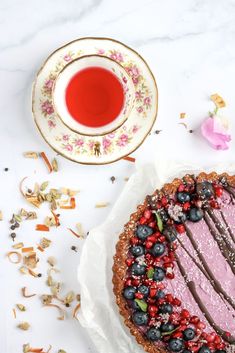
x: 11, y: 255
x: 46, y: 160
x: 30, y: 154
x: 77, y: 307
x: 69, y: 192
x: 182, y: 115
x: 45, y: 243
x: 71, y: 206
x: 42, y: 228
x: 14, y: 312
x: 26, y: 348
x: 69, y: 298
x: 102, y: 204
x: 46, y: 298
x: 21, y: 307
x: 62, y: 312
x: 55, y: 289
x: 17, y: 218
x: 218, y: 100
x: 80, y: 230
x: 1, y: 216
x: 24, y: 326
x: 31, y: 260
x: 74, y: 233
x: 23, y: 270
x: 50, y: 281
x: 29, y: 249
x: 23, y: 291
x: 129, y: 159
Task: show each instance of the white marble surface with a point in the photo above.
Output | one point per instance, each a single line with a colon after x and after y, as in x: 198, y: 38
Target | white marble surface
x: 189, y: 45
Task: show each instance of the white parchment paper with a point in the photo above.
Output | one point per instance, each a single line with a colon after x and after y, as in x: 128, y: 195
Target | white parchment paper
x: 99, y: 312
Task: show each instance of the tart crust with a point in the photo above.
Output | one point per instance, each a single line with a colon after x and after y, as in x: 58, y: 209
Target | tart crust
x: 119, y: 266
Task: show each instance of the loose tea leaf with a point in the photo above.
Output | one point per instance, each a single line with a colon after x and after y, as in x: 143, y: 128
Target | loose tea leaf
x: 30, y: 154
x: 54, y: 164
x: 218, y: 100
x: 44, y: 185
x: 21, y: 307
x: 182, y: 115
x: 24, y: 326
x: 18, y: 246
x: 52, y: 261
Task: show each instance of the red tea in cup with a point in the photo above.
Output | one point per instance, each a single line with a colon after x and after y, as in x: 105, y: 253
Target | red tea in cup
x: 94, y: 97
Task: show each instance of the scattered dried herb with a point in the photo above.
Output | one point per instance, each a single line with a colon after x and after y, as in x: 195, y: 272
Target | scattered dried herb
x: 74, y: 233
x: 24, y: 325
x: 21, y: 307
x: 74, y: 248
x: 23, y: 270
x: 46, y: 299
x: 46, y: 160
x: 184, y: 124
x: 13, y: 236
x: 69, y: 192
x: 45, y: 243
x: 18, y: 245
x: 1, y: 216
x: 61, y: 351
x: 42, y: 228
x: 25, y: 295
x: 54, y: 164
x: 69, y: 298
x: 14, y: 313
x: 52, y: 261
x: 80, y: 230
x: 218, y: 100
x: 102, y: 204
x: 30, y: 154
x: 182, y: 115
x: 56, y: 218
x: 29, y: 249
x: 34, y: 274
x: 6, y: 169
x: 44, y: 185
x: 30, y: 260
x: 12, y: 254
x: 129, y: 159
x: 76, y: 309
x: 71, y: 206
x: 61, y: 311
x: 157, y: 132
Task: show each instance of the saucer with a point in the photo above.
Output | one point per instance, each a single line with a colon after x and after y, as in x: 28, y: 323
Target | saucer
x: 83, y: 146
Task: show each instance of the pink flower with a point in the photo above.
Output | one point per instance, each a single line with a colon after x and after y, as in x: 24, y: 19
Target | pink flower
x: 112, y: 135
x: 91, y: 145
x: 215, y: 130
x: 147, y: 101
x: 140, y: 109
x: 51, y: 124
x: 117, y: 56
x: 138, y: 95
x: 48, y: 85
x: 106, y: 143
x: 135, y: 128
x: 79, y: 142
x: 65, y: 137
x: 47, y: 108
x: 123, y: 140
x: 100, y: 51
x: 68, y: 58
x: 124, y: 79
x: 68, y: 147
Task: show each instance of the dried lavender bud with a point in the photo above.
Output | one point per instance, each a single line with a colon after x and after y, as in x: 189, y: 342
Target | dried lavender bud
x: 112, y: 179
x: 74, y: 248
x: 12, y: 227
x: 13, y: 236
x: 17, y: 225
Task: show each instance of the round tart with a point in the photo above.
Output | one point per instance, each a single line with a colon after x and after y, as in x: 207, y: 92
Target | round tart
x: 174, y: 267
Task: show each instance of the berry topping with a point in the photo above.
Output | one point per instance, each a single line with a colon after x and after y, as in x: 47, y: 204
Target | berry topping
x: 160, y: 294
x: 186, y: 351
x: 176, y: 345
x: 205, y: 190
x: 137, y: 250
x: 158, y: 249
x: 163, y: 215
x: 129, y: 292
x: 143, y: 231
x: 183, y: 197
x: 159, y: 274
x: 153, y: 334
x: 138, y: 270
x: 195, y: 214
x: 166, y: 308
x: 168, y: 327
x: 143, y: 290
x: 204, y: 349
x: 140, y: 318
x: 170, y: 233
x: 220, y: 351
x: 188, y: 334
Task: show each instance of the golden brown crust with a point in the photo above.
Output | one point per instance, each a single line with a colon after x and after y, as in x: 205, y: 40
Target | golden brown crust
x: 119, y: 266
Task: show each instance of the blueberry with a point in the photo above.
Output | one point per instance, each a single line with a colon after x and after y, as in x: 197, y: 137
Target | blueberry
x: 166, y: 308
x: 134, y: 305
x: 140, y: 318
x: 176, y: 344
x: 137, y: 250
x: 188, y: 334
x: 195, y: 214
x: 129, y: 292
x: 163, y: 215
x: 183, y: 197
x: 168, y: 327
x: 143, y: 290
x: 205, y: 190
x: 170, y: 233
x: 138, y: 270
x: 160, y: 294
x: 158, y: 249
x: 204, y: 349
x: 220, y: 351
x: 159, y: 274
x: 153, y: 334
x: 143, y: 231
x: 188, y: 351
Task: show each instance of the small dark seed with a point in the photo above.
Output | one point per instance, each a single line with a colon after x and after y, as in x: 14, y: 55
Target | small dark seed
x: 13, y: 235
x: 13, y: 227
x: 39, y: 275
x: 17, y: 224
x: 112, y: 179
x: 67, y: 305
x: 74, y: 248
x: 6, y: 169
x: 190, y: 131
x: 29, y: 191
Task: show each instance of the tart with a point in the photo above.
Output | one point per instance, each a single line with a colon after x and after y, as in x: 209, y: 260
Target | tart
x: 173, y: 272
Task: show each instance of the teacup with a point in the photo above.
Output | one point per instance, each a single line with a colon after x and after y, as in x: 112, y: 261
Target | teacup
x: 93, y: 95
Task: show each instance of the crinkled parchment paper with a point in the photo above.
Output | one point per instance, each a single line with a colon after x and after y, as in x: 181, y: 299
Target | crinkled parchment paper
x: 99, y: 312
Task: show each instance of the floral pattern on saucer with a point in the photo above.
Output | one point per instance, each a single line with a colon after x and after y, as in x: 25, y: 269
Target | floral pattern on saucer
x: 96, y: 149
